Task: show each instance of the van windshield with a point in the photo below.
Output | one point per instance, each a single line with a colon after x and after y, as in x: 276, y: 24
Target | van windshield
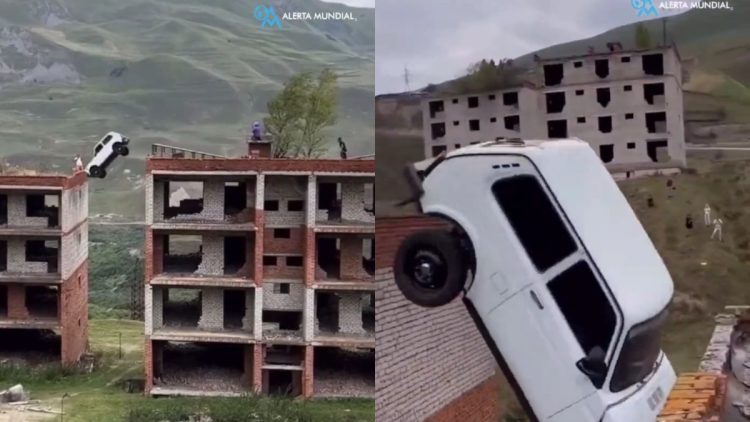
x: 639, y: 353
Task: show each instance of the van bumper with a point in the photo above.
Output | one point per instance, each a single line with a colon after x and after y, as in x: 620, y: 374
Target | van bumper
x: 648, y: 401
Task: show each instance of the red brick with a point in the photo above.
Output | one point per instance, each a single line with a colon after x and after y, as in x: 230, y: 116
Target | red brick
x: 308, y: 381
x: 480, y: 404
x: 294, y: 245
x: 17, y: 302
x: 74, y: 316
x: 260, y: 165
x: 260, y: 221
x: 390, y: 232
x: 310, y: 256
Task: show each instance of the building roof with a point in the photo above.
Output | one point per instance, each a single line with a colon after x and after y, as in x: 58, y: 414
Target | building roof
x: 34, y: 180
x: 611, y: 53
x: 260, y: 165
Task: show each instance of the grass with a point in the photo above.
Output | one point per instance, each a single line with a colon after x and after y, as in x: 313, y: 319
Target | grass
x: 99, y: 396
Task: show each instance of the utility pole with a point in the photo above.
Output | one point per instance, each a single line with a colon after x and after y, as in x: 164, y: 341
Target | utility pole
x: 406, y: 78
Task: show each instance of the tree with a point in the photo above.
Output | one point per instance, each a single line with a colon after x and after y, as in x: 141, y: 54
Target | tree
x: 320, y: 112
x: 285, y: 114
x: 485, y: 76
x: 642, y: 37
x: 300, y: 112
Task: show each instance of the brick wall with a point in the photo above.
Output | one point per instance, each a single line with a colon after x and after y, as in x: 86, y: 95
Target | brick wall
x: 295, y: 244
x: 17, y: 302
x: 260, y: 165
x: 436, y: 350
x: 284, y: 189
x: 292, y: 301
x: 74, y: 315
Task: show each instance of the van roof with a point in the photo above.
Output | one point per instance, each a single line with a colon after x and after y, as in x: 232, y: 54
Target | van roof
x: 602, y: 218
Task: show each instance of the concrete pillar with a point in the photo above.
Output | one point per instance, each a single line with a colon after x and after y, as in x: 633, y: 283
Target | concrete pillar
x: 17, y: 302
x: 312, y: 200
x: 258, y: 312
x: 260, y: 225
x: 350, y: 314
x: 157, y: 307
x: 212, y: 309
x: 309, y: 315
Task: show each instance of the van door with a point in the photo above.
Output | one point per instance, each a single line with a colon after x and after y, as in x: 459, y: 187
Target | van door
x: 564, y: 295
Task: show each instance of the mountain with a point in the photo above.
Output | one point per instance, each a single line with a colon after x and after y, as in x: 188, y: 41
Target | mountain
x: 185, y: 72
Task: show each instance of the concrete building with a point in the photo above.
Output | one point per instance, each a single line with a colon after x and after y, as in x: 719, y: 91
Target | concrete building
x: 436, y: 351
x: 627, y: 104
x: 259, y: 276
x: 44, y: 266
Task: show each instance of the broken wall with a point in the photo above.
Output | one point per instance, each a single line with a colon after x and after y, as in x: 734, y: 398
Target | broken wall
x: 17, y: 212
x: 294, y: 300
x: 17, y: 259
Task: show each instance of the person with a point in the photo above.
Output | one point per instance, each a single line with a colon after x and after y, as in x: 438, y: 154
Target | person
x: 689, y: 222
x: 257, y: 132
x: 78, y: 163
x: 707, y: 215
x: 342, y: 146
x: 717, y: 228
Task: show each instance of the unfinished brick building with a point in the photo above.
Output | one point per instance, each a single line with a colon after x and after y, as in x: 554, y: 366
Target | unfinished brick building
x: 259, y: 275
x: 43, y: 267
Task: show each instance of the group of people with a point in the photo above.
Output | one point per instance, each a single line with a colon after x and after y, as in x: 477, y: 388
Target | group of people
x: 717, y: 222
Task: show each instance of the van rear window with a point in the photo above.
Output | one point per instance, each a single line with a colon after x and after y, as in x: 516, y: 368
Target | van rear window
x: 535, y: 220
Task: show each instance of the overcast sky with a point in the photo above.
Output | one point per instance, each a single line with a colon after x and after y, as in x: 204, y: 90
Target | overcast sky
x: 438, y: 39
x: 354, y: 3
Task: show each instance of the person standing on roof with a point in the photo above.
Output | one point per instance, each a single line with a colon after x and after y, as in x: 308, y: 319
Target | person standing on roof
x: 257, y: 132
x: 717, y: 228
x: 342, y: 146
x: 78, y: 163
x: 707, y: 215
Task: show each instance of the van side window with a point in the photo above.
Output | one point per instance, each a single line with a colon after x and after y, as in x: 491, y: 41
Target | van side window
x: 106, y: 139
x: 585, y: 305
x: 535, y: 220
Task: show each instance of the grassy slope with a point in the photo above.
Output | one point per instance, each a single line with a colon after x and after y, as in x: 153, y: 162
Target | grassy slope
x: 196, y: 74
x: 99, y: 397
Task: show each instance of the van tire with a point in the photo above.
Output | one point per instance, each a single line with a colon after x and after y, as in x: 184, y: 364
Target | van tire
x: 121, y: 149
x: 95, y: 171
x: 124, y: 151
x: 430, y: 268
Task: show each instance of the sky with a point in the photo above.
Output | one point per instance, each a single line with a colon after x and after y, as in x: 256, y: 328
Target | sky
x: 354, y: 3
x: 438, y: 39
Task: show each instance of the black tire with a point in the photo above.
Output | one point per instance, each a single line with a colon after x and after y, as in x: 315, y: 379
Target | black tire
x: 430, y: 268
x: 102, y: 173
x: 118, y: 148
x: 124, y: 151
x: 95, y: 171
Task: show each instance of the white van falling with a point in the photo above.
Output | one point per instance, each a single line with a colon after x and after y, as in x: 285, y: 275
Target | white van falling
x: 556, y: 270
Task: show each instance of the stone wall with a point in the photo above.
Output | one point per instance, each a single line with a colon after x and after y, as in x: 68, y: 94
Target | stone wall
x: 350, y: 313
x: 74, y: 205
x: 75, y: 249
x: 212, y: 309
x: 292, y: 301
x: 284, y: 189
x: 17, y: 259
x: 212, y: 262
x: 17, y: 213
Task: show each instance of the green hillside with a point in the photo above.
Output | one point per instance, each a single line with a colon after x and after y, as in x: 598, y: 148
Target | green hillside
x: 184, y: 72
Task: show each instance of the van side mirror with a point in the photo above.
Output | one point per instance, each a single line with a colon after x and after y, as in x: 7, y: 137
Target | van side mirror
x: 594, y: 366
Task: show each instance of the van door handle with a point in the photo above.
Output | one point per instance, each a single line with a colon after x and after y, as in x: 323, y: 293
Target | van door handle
x: 536, y: 299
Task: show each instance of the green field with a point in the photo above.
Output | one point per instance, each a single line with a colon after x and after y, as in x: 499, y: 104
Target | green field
x: 184, y: 72
x: 100, y: 396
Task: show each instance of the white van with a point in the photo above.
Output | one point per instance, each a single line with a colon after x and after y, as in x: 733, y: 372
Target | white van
x: 105, y: 151
x: 556, y: 270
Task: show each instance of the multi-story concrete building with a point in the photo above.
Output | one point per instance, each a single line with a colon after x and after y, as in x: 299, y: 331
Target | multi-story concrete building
x: 259, y: 276
x: 44, y: 266
x: 627, y: 104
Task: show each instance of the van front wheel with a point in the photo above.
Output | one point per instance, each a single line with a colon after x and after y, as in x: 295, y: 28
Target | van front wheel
x: 430, y: 268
